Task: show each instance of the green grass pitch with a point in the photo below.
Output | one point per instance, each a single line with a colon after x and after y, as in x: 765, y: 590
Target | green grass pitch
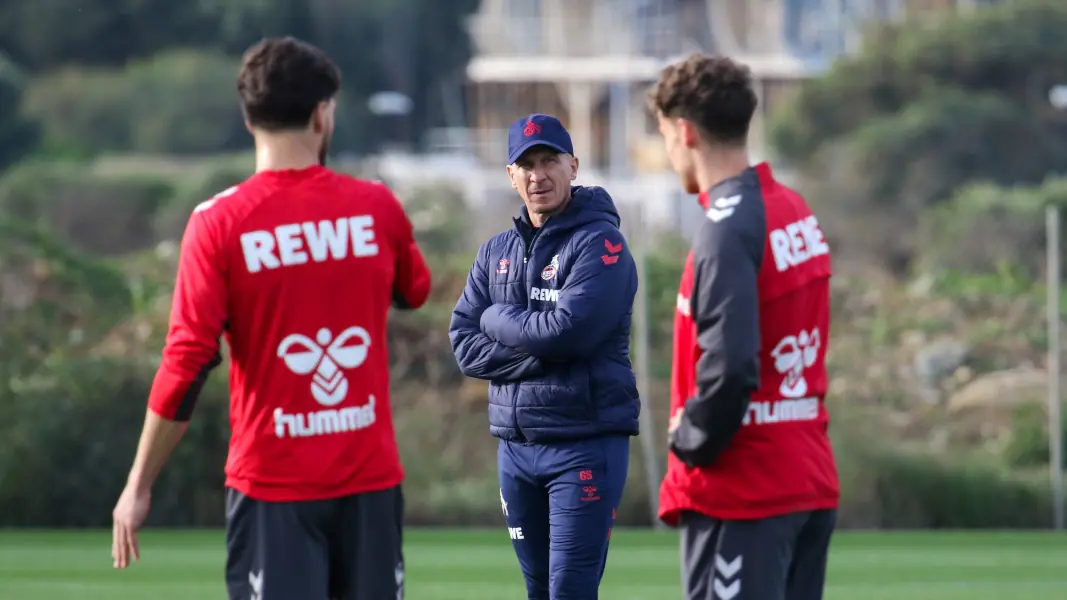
x: 479, y: 564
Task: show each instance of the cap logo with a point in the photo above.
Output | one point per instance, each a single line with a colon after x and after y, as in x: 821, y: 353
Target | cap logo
x: 531, y: 129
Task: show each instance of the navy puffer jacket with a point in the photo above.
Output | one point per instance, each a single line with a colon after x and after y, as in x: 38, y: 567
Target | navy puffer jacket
x: 545, y: 317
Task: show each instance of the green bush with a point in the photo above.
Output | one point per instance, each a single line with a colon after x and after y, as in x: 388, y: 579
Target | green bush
x: 1028, y: 446
x: 986, y: 228
x: 901, y: 125
x: 902, y: 489
x: 69, y: 436
x: 195, y: 189
x: 52, y: 300
x: 441, y: 219
x: 179, y: 102
x: 94, y: 213
x: 18, y: 135
x: 70, y: 413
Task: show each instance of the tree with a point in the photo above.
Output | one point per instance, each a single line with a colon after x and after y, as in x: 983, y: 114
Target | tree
x: 412, y: 46
x: 985, y: 228
x: 18, y: 136
x: 48, y: 33
x: 923, y: 110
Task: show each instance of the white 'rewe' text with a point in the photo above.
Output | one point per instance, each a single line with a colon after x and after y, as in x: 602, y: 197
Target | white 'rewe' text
x: 797, y: 242
x: 544, y: 294
x: 299, y: 243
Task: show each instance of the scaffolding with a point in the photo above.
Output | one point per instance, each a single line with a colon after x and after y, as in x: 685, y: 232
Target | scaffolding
x: 566, y: 55
x: 576, y: 56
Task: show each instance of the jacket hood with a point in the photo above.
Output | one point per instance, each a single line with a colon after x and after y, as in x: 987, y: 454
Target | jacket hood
x: 587, y: 205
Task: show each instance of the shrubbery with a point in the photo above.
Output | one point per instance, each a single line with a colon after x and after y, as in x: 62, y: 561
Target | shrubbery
x: 19, y: 135
x: 921, y: 112
x: 985, y: 228
x: 896, y: 488
x: 70, y: 414
x: 905, y: 151
x: 70, y: 430
x: 182, y: 102
x: 102, y: 215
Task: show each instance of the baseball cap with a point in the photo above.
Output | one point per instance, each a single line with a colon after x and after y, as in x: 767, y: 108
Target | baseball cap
x: 537, y: 130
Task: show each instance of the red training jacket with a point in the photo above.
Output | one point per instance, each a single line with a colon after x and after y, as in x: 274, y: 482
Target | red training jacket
x: 750, y: 338
x: 298, y: 269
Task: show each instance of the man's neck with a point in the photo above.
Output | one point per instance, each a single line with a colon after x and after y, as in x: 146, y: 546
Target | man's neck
x: 282, y: 151
x: 716, y: 165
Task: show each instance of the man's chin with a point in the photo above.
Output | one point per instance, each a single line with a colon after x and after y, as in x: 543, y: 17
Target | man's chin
x: 543, y: 207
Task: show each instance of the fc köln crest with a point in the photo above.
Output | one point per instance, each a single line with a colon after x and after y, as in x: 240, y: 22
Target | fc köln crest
x: 549, y: 272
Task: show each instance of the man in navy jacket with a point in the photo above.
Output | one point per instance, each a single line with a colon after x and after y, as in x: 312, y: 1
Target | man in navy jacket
x: 545, y: 317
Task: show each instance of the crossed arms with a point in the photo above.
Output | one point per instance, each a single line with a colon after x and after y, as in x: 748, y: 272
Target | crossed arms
x: 510, y: 342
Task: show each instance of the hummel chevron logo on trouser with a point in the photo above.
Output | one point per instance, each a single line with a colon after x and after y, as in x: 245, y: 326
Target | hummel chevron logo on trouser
x: 727, y: 581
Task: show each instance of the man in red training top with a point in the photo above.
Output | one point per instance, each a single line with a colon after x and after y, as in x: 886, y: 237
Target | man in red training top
x: 751, y: 479
x: 298, y: 267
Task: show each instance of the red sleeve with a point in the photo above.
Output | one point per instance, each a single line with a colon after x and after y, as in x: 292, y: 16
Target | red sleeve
x: 411, y: 287
x: 197, y: 319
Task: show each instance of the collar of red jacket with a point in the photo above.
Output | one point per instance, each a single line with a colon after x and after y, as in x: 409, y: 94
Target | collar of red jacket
x: 763, y: 171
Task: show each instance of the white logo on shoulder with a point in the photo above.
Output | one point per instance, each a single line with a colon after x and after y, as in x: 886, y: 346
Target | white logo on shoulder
x: 211, y: 201
x: 723, y: 207
x: 797, y: 243
x: 792, y: 355
x: 300, y: 243
x: 325, y: 356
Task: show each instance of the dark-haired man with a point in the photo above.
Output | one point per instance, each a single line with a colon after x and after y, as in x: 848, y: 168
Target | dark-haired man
x: 545, y: 317
x: 751, y: 477
x: 297, y: 267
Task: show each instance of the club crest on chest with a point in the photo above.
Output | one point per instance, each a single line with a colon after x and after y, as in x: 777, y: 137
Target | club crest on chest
x: 549, y: 272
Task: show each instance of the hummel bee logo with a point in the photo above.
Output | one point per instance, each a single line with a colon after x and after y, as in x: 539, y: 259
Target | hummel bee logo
x: 723, y: 207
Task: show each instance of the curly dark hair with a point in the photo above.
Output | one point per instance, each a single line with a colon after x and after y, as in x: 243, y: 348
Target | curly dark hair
x: 715, y: 93
x: 283, y: 80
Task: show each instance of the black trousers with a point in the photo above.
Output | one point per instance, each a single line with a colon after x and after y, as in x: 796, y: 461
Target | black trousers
x: 341, y: 549
x: 779, y: 558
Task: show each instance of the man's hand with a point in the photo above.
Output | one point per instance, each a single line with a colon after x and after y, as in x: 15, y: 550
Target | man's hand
x: 128, y: 516
x: 158, y: 439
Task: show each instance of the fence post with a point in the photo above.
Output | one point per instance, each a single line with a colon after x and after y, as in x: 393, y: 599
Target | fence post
x: 619, y: 115
x: 1055, y: 425
x: 643, y: 368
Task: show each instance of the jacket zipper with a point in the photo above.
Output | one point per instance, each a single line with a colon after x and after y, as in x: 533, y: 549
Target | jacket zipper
x: 527, y: 250
x: 528, y: 247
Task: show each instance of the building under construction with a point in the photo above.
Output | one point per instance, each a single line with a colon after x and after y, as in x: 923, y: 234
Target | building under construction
x: 589, y: 61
